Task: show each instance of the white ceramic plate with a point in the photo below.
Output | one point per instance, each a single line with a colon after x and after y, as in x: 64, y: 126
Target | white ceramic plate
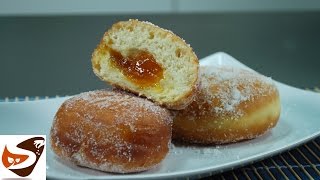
x: 299, y: 122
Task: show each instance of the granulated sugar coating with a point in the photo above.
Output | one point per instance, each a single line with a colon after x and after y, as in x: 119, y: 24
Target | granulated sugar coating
x: 231, y: 87
x: 111, y: 131
x: 231, y: 104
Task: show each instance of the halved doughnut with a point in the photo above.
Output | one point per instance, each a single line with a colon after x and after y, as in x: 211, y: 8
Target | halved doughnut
x: 149, y: 61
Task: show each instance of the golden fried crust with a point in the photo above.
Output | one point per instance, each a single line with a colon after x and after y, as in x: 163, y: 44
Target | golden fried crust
x: 210, y: 120
x: 111, y: 131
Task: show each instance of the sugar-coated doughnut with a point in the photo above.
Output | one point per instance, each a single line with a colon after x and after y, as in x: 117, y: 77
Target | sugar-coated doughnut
x: 111, y: 131
x: 149, y: 61
x: 231, y: 105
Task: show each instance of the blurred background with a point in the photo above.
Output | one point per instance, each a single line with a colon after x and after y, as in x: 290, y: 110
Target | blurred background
x: 46, y: 46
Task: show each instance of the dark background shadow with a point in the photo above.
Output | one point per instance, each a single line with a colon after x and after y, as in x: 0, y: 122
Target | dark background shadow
x: 46, y: 56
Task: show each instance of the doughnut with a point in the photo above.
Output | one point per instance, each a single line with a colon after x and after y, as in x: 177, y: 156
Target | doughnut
x: 231, y: 105
x: 148, y: 61
x: 111, y: 131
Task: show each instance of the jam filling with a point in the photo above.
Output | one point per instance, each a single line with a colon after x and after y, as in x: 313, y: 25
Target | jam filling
x: 139, y: 66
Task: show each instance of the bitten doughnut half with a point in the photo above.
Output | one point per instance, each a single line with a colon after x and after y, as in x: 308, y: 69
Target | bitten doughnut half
x: 149, y: 61
x: 111, y: 131
x: 231, y: 105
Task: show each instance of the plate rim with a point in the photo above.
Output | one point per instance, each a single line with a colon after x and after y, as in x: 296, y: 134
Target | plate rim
x: 232, y: 164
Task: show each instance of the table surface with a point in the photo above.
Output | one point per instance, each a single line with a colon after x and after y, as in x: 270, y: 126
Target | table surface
x: 302, y: 162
